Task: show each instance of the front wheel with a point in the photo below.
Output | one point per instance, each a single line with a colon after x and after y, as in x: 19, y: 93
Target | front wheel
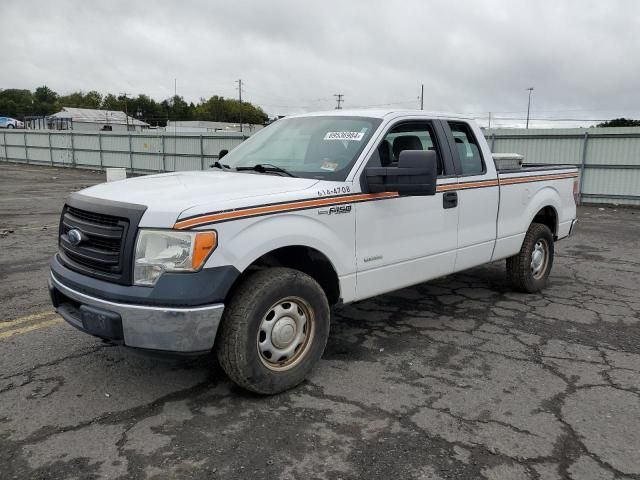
x: 528, y: 271
x: 274, y: 330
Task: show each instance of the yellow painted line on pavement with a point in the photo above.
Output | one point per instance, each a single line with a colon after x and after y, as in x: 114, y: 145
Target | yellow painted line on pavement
x: 30, y: 328
x: 28, y: 318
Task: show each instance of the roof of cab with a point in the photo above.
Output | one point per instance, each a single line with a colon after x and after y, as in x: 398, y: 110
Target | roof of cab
x: 376, y: 113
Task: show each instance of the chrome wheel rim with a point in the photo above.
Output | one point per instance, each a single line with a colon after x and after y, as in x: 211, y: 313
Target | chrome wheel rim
x: 539, y: 259
x: 285, y: 333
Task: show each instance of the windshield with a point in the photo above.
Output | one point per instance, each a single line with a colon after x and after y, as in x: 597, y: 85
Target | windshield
x: 311, y: 147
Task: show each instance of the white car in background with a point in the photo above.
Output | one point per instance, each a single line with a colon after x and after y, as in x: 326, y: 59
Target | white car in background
x: 8, y: 122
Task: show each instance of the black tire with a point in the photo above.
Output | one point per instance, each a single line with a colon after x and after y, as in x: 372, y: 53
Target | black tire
x: 242, y: 332
x: 11, y: 126
x: 520, y: 268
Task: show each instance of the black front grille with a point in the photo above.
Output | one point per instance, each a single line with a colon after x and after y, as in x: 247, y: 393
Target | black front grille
x: 108, y: 234
x: 92, y: 217
x: 101, y: 246
x: 95, y: 241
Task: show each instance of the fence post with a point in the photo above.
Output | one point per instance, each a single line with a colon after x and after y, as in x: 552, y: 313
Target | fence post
x: 50, y: 149
x: 130, y: 152
x: 100, y: 148
x: 201, y: 154
x: 26, y: 146
x: 164, y: 160
x: 493, y: 141
x: 73, y: 149
x: 582, y: 164
x: 6, y: 155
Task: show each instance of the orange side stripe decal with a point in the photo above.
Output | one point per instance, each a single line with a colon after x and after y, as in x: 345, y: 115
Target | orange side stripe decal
x: 536, y: 178
x: 321, y: 202
x: 247, y: 212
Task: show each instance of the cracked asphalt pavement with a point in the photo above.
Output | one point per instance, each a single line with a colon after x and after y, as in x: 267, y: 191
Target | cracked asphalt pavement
x: 456, y: 378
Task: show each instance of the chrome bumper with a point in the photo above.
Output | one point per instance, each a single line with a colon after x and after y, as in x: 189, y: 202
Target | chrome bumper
x: 183, y: 330
x: 573, y: 225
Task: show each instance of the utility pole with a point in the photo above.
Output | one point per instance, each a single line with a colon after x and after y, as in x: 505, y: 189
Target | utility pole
x: 175, y: 121
x: 339, y: 100
x: 529, y: 106
x: 489, y: 120
x: 422, y: 97
x: 240, y: 99
x: 126, y: 111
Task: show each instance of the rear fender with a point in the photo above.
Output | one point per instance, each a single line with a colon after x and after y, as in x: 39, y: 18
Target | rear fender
x: 545, y: 197
x: 517, y: 211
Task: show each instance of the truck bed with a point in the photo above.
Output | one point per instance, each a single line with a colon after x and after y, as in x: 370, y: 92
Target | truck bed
x: 536, y: 167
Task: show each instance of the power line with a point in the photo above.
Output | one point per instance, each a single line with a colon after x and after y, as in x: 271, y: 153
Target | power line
x: 548, y: 119
x: 385, y: 104
x: 588, y: 110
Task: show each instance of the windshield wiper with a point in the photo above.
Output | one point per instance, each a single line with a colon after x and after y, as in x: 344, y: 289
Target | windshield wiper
x: 219, y: 165
x: 266, y: 168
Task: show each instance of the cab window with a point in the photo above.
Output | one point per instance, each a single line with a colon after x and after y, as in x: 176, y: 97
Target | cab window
x: 406, y: 136
x: 467, y: 148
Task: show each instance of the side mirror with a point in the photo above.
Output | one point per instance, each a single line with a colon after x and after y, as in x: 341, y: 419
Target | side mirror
x: 415, y: 174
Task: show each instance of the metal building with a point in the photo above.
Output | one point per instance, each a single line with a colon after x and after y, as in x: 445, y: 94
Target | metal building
x: 90, y: 120
x: 206, y: 127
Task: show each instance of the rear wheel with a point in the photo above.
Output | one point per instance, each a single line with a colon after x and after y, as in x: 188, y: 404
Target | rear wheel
x: 528, y: 271
x: 274, y: 330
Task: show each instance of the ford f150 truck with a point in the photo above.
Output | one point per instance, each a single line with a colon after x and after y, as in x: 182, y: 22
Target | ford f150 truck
x: 247, y: 258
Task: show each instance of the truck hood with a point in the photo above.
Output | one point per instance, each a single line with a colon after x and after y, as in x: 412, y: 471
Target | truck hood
x: 167, y: 195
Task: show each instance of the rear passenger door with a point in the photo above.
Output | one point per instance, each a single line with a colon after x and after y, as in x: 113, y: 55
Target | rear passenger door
x: 409, y: 239
x: 478, y: 194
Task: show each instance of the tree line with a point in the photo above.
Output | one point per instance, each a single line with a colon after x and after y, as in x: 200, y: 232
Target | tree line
x: 619, y: 122
x: 43, y: 101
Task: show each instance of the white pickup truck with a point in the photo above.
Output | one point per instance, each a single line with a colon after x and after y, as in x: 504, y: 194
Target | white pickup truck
x: 317, y: 209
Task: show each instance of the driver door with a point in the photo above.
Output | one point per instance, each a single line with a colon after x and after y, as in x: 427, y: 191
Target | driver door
x: 408, y: 239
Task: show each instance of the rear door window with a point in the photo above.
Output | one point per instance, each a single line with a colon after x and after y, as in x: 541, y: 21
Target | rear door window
x: 467, y: 149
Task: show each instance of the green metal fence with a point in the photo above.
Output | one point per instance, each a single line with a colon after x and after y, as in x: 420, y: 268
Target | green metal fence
x: 608, y: 158
x: 137, y: 152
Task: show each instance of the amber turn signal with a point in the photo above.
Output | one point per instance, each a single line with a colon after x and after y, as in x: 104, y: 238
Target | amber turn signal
x: 205, y: 243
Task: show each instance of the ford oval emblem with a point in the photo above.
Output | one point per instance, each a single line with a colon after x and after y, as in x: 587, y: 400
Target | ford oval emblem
x: 75, y: 237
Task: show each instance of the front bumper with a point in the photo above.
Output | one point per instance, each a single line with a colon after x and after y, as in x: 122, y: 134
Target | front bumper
x: 171, y: 329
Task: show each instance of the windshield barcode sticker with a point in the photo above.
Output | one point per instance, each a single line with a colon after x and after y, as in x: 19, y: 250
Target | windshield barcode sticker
x: 351, y: 136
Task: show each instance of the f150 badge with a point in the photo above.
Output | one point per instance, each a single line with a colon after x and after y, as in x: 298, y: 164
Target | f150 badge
x: 335, y: 210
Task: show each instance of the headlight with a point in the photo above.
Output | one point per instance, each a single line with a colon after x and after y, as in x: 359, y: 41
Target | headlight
x: 159, y: 251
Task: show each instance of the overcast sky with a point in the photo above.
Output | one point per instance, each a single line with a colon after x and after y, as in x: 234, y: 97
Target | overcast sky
x: 582, y: 57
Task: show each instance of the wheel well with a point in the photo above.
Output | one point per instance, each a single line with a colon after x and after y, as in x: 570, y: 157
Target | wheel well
x: 548, y: 216
x: 307, y: 260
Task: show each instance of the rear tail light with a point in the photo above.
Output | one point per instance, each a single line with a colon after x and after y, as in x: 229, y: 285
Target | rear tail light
x: 576, y: 191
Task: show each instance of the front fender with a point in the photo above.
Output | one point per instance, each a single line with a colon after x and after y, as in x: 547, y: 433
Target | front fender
x: 242, y: 242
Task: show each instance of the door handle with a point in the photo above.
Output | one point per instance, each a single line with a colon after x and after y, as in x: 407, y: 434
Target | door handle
x: 450, y: 199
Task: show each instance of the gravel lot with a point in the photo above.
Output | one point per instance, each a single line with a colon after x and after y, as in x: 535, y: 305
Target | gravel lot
x: 457, y: 378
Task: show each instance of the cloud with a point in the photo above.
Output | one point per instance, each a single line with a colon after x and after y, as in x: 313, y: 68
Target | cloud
x: 473, y: 57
